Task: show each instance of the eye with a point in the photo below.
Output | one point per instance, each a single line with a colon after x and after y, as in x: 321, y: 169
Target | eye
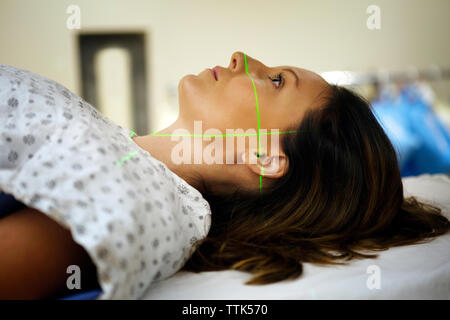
x: 279, y: 79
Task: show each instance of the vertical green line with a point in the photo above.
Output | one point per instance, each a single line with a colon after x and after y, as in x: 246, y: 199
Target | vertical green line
x: 260, y: 182
x: 257, y: 112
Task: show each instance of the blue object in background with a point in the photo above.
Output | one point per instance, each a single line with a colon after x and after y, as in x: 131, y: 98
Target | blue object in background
x: 421, y: 141
x: 433, y: 154
x: 396, y: 125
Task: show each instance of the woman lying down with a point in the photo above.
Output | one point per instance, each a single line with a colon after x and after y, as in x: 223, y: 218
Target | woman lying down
x: 127, y: 213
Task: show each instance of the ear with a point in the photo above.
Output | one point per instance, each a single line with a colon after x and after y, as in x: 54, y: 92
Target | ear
x: 274, y: 166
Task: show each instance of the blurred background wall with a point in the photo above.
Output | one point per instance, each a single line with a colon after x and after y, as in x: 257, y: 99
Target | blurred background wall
x: 188, y: 36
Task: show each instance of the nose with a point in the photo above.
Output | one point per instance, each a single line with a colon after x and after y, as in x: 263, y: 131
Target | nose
x: 237, y: 62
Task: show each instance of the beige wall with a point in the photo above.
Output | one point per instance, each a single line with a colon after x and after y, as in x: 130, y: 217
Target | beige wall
x: 189, y: 36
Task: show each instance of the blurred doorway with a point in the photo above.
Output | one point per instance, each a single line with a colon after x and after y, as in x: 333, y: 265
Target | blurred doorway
x: 113, y: 76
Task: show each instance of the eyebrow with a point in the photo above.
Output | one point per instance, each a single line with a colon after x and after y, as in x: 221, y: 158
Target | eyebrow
x: 296, y: 76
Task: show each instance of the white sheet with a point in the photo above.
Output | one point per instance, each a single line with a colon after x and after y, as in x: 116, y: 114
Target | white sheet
x: 408, y: 272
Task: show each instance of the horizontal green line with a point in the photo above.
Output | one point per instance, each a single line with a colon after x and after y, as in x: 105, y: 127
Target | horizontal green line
x: 218, y: 135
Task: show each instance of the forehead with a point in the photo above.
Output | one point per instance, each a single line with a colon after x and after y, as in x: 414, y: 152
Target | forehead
x: 311, y: 84
x: 308, y: 75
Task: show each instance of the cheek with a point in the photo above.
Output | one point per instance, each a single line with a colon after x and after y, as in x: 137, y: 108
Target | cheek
x: 231, y: 106
x: 238, y: 100
x: 246, y: 105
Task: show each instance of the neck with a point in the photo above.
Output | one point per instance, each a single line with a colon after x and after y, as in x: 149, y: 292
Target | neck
x: 160, y: 147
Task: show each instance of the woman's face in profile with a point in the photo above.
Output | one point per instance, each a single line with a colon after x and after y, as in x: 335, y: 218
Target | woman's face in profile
x: 229, y: 102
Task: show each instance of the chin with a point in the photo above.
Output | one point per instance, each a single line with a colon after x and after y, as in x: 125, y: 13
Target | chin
x: 188, y: 90
x: 188, y: 85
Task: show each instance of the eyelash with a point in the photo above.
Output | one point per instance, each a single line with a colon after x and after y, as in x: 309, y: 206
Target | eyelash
x: 280, y: 78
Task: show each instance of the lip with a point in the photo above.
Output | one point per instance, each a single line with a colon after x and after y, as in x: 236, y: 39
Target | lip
x: 213, y: 74
x: 216, y: 71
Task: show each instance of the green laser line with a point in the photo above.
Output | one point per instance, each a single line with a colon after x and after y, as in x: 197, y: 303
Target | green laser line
x: 127, y: 157
x: 199, y: 135
x: 218, y: 135
x: 131, y: 134
x: 259, y: 126
x: 130, y: 154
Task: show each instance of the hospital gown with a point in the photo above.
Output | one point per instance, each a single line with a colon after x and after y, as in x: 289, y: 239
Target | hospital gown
x: 136, y: 219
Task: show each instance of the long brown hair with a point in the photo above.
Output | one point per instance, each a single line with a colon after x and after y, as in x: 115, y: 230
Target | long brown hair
x: 341, y: 195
